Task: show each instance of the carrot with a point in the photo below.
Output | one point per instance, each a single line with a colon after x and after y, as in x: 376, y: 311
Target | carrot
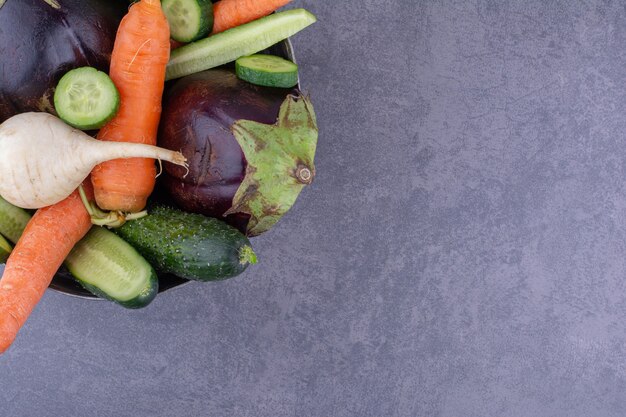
x: 140, y: 54
x: 228, y: 14
x: 47, y: 240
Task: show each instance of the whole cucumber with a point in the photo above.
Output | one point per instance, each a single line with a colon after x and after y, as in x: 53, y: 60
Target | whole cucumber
x: 190, y: 246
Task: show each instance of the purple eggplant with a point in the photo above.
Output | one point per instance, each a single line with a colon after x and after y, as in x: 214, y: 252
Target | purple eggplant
x: 250, y: 149
x: 40, y: 40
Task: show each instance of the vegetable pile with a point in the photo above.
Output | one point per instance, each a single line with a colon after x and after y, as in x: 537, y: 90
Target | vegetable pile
x: 84, y: 138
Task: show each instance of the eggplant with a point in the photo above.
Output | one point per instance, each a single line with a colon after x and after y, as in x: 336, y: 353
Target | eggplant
x: 250, y: 149
x: 40, y: 40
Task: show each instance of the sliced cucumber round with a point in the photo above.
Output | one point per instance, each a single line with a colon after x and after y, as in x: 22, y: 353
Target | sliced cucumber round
x: 267, y: 70
x: 86, y: 98
x: 106, y: 265
x: 189, y: 20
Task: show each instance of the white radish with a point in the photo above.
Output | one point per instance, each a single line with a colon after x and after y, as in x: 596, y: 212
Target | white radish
x: 43, y: 160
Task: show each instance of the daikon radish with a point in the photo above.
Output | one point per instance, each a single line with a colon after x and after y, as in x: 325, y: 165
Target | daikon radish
x: 43, y: 160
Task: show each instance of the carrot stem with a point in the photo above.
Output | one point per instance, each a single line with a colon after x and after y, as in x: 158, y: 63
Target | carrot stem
x: 112, y: 219
x: 135, y: 216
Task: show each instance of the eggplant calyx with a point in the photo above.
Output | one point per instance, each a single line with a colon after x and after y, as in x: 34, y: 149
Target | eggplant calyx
x: 279, y: 163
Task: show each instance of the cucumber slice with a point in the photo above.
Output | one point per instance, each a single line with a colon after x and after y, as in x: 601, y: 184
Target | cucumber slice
x: 101, y: 262
x: 13, y: 220
x: 5, y: 249
x: 86, y: 98
x: 109, y: 267
x: 243, y: 40
x: 267, y: 70
x: 189, y: 20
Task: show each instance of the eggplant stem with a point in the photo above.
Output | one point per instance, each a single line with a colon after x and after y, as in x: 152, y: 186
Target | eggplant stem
x: 304, y: 175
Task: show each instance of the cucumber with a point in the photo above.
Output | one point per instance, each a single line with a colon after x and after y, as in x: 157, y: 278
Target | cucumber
x: 267, y: 71
x: 231, y: 44
x: 189, y: 20
x: 101, y: 262
x: 13, y: 220
x: 5, y: 250
x: 86, y: 98
x: 112, y: 269
x: 190, y: 246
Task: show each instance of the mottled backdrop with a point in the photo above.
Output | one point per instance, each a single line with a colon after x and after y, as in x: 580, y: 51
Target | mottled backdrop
x: 462, y: 252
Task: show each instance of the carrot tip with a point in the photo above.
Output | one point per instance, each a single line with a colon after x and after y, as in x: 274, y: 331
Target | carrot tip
x: 9, y: 327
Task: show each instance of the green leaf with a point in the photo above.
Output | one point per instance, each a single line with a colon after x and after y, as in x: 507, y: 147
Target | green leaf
x: 280, y: 163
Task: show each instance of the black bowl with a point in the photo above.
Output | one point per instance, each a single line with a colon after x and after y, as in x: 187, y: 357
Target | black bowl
x: 63, y: 281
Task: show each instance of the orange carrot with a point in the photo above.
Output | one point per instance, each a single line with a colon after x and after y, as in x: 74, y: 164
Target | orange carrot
x: 140, y: 54
x: 47, y: 240
x: 228, y: 14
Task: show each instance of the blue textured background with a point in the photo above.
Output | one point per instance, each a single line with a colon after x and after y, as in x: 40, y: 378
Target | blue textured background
x: 461, y: 253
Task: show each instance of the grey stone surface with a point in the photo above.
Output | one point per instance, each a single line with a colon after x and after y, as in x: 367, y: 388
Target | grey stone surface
x: 462, y: 252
